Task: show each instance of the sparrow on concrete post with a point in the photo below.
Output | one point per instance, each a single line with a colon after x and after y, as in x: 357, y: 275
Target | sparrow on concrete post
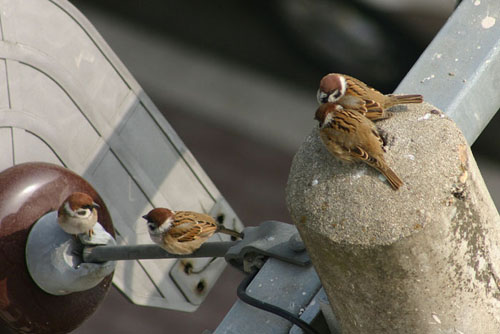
x: 351, y: 137
x: 354, y: 94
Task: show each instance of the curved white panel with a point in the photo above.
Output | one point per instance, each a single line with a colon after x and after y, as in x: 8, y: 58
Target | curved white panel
x: 65, y: 98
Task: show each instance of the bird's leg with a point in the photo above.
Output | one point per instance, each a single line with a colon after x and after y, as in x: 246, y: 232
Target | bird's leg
x: 384, y: 136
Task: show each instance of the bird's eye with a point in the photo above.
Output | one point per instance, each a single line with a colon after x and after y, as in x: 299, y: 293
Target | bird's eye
x: 81, y: 212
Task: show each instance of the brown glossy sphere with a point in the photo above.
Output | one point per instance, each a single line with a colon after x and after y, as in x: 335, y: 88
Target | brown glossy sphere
x: 27, y: 192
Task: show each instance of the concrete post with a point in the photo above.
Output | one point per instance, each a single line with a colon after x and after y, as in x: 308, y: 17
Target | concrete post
x: 423, y: 259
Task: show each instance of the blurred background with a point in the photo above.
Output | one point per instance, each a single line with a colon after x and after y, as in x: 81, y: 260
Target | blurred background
x: 237, y: 81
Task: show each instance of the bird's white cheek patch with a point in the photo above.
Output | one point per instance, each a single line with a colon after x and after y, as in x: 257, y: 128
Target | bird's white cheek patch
x: 343, y: 85
x: 327, y: 120
x: 332, y: 98
x: 166, y: 225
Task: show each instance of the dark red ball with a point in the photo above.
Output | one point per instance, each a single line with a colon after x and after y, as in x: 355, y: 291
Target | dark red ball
x: 27, y: 192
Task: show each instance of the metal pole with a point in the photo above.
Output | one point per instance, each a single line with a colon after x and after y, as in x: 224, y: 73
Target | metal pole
x: 459, y: 71
x: 140, y: 252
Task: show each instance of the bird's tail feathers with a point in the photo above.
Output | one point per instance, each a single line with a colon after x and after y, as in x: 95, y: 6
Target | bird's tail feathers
x: 391, y: 177
x: 404, y: 99
x: 233, y: 233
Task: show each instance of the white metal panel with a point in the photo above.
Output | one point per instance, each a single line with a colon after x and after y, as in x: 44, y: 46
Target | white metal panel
x: 29, y: 147
x: 66, y: 98
x: 6, y: 157
x: 59, y: 37
x: 33, y: 91
x: 154, y: 153
x: 4, y: 93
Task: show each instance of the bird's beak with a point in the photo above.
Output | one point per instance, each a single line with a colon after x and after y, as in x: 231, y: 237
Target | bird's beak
x: 145, y: 217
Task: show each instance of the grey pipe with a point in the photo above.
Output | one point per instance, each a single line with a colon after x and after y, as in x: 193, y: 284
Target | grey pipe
x: 140, y: 252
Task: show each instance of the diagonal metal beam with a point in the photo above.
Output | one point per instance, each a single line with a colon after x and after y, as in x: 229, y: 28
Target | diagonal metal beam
x: 459, y: 72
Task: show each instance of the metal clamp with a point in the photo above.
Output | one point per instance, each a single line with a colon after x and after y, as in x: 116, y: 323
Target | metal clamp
x: 54, y: 261
x: 270, y: 239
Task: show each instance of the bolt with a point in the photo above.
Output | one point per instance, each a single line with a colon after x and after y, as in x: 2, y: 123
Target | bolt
x: 200, y: 287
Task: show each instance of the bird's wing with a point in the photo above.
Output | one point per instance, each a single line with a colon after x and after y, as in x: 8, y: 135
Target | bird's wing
x: 189, y: 226
x: 182, y: 230
x: 359, y: 86
x: 379, y: 138
x: 374, y: 110
x: 364, y: 156
x: 380, y: 165
x: 359, y: 107
x: 345, y: 121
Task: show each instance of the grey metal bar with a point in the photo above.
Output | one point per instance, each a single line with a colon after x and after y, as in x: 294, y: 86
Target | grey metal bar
x: 140, y: 252
x: 459, y: 72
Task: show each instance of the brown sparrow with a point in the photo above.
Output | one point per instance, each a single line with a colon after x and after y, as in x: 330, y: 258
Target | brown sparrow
x: 78, y: 214
x: 354, y: 94
x: 350, y: 137
x: 182, y: 232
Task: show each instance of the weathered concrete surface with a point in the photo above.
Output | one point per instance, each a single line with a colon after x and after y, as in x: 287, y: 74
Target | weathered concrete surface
x: 423, y: 259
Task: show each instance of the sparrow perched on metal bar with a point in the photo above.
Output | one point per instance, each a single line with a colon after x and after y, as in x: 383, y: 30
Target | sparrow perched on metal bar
x: 78, y: 214
x: 355, y: 94
x: 351, y: 137
x: 182, y: 232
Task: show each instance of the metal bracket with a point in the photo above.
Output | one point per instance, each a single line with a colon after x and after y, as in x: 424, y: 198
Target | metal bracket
x: 54, y: 261
x: 270, y: 239
x: 195, y: 277
x: 318, y: 313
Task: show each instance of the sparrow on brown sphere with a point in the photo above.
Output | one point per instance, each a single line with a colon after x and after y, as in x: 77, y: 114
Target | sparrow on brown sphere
x: 78, y: 214
x: 354, y: 94
x: 351, y: 137
x: 182, y: 232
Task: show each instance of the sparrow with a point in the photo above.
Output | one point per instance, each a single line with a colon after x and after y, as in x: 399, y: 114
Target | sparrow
x: 78, y: 214
x: 354, y: 94
x: 182, y: 232
x: 352, y: 137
